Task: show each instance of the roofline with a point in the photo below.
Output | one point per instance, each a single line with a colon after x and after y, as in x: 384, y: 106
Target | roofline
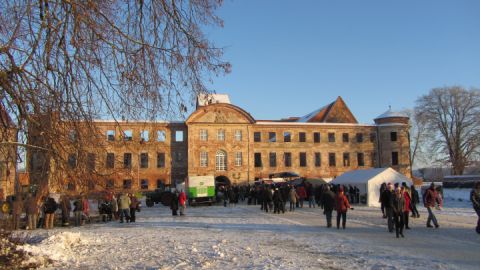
x: 137, y: 121
x: 313, y: 124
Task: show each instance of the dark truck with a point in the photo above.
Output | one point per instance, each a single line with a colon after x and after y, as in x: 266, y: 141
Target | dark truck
x: 157, y: 196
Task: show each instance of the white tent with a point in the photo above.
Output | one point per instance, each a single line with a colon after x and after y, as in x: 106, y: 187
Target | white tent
x: 369, y: 181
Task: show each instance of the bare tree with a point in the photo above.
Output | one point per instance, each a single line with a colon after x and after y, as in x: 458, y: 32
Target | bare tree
x: 64, y: 63
x: 417, y: 137
x: 452, y: 118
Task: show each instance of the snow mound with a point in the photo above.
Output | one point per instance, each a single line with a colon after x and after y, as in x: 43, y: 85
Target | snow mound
x: 57, y: 247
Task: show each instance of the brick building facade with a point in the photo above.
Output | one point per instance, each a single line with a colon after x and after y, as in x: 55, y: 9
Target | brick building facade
x: 223, y: 140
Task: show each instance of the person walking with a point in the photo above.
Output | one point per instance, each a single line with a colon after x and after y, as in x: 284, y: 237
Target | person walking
x: 310, y: 195
x: 124, y: 207
x: 277, y: 201
x: 383, y: 187
x: 66, y: 209
x: 133, y: 207
x: 387, y: 200
x: 432, y: 201
x: 341, y: 206
x: 328, y: 204
x: 475, y: 199
x: 86, y: 208
x: 114, y: 205
x: 182, y: 201
x: 302, y: 194
x: 174, y: 203
x: 293, y: 196
x: 31, y: 209
x: 398, y: 211
x: 415, y: 200
x: 50, y: 207
x: 77, y: 211
x: 17, y: 210
x: 406, y: 209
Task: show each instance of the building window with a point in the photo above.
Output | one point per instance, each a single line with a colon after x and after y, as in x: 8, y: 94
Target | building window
x: 287, y: 136
x: 127, y: 183
x: 221, y: 161
x: 272, y: 136
x: 374, y: 158
x: 303, y: 159
x: 272, y: 159
x: 316, y: 137
x: 160, y: 160
x: 127, y: 135
x: 110, y: 184
x: 345, y: 138
x: 127, y: 160
x: 258, y: 159
x: 302, y: 137
x: 91, y: 162
x: 238, y: 135
x: 179, y: 135
x: 110, y: 135
x: 373, y: 137
x: 257, y: 137
x: 144, y: 160
x: 287, y: 157
x: 161, y: 136
x: 203, y: 135
x: 331, y: 137
x: 394, y: 158
x: 221, y: 135
x: 318, y: 159
x: 359, y: 137
x: 72, y: 161
x: 332, y: 161
x: 393, y: 136
x: 144, y: 184
x: 238, y: 159
x: 110, y: 160
x: 144, y: 136
x: 71, y: 186
x: 203, y: 159
x: 346, y: 159
x: 360, y: 159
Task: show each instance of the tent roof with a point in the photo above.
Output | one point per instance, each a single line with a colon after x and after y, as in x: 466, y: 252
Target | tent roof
x: 363, y: 176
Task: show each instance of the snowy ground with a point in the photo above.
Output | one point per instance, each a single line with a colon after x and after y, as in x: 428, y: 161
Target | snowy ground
x: 244, y: 237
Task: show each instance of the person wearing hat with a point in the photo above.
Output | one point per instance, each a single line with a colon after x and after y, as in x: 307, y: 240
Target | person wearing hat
x: 431, y: 200
x: 387, y: 200
x: 341, y: 206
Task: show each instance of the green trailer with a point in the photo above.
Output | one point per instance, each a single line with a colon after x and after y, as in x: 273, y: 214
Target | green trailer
x: 201, y: 189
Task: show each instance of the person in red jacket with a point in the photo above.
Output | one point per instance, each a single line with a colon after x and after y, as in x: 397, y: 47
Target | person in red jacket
x: 430, y: 200
x: 406, y: 209
x: 341, y: 206
x: 182, y: 201
x: 302, y: 194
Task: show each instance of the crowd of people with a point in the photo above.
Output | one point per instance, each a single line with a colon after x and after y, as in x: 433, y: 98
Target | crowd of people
x: 41, y: 212
x: 398, y: 204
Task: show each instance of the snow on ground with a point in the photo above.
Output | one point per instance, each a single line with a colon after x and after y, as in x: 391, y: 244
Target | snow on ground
x: 244, y: 237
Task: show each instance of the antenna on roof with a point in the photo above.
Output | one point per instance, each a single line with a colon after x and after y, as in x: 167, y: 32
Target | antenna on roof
x: 390, y: 107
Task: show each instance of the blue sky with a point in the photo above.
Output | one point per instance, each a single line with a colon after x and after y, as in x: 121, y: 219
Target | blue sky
x: 292, y: 57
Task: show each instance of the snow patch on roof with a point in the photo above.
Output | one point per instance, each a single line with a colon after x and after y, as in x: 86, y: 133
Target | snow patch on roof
x: 309, y: 116
x: 389, y: 113
x: 207, y: 99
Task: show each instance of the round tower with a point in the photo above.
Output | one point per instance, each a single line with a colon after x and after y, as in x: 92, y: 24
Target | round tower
x: 393, y: 141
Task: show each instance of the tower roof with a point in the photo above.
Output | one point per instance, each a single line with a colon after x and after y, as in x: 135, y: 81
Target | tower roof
x: 391, y: 114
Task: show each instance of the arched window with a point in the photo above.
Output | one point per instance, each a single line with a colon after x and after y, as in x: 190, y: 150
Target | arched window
x: 221, y: 161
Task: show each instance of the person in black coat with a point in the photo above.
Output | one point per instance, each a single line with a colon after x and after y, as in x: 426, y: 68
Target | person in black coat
x: 414, y: 202
x: 328, y: 204
x: 174, y: 204
x: 267, y: 198
x: 277, y: 201
x: 398, y: 209
x: 386, y: 199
